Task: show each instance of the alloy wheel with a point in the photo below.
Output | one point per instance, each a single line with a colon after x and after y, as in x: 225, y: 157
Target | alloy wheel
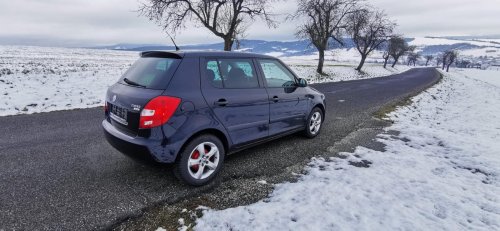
x: 315, y: 123
x: 203, y: 160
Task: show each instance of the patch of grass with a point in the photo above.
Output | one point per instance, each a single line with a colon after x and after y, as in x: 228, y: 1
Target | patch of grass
x: 167, y: 216
x: 382, y: 112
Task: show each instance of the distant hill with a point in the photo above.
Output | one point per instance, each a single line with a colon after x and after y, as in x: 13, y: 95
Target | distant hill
x: 468, y: 45
x: 278, y: 48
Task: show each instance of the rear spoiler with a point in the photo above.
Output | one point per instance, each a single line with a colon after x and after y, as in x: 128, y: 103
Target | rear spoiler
x: 162, y: 54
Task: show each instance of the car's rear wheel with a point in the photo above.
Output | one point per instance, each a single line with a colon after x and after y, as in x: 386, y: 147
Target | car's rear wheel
x: 200, y: 160
x: 314, y: 123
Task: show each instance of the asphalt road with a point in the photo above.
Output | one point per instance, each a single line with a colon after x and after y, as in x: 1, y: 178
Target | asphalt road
x: 58, y: 172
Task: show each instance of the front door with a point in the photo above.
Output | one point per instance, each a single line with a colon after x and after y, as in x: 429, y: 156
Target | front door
x: 232, y: 89
x: 287, y: 109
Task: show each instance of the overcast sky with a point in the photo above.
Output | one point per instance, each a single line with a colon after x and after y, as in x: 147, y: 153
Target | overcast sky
x: 106, y: 22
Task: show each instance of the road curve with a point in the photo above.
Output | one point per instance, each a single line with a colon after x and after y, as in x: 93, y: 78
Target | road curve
x: 58, y: 172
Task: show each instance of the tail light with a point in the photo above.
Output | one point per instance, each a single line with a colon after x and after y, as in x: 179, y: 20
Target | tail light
x: 105, y: 106
x: 158, y: 111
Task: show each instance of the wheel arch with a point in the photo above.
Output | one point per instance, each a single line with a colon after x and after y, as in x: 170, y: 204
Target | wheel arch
x: 322, y: 107
x: 210, y: 131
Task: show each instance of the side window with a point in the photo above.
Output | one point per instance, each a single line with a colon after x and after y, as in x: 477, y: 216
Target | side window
x: 232, y: 73
x: 276, y: 74
x: 213, y: 73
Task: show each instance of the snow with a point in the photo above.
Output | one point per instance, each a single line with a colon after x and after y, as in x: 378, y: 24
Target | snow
x: 40, y: 79
x: 485, y: 51
x: 429, y: 41
x: 351, y: 56
x: 275, y: 53
x: 439, y: 173
x: 489, y: 40
x: 262, y: 182
x: 488, y: 76
x: 43, y: 79
x: 345, y: 72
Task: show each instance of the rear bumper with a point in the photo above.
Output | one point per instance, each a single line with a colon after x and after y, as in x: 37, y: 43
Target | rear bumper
x: 140, y: 148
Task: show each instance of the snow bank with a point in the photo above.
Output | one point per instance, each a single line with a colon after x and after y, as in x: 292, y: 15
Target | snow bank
x: 440, y: 173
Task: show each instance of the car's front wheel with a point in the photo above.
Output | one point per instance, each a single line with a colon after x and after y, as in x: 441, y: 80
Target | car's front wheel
x: 200, y: 161
x: 314, y: 122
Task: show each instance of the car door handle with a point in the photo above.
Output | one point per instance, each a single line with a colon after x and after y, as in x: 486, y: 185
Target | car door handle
x: 221, y: 102
x: 275, y: 99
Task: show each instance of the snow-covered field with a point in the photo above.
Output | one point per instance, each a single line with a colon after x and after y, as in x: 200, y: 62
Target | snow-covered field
x: 440, y: 172
x: 429, y: 41
x: 487, y: 52
x: 42, y: 79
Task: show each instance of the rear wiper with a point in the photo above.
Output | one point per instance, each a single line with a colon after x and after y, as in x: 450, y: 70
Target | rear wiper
x: 128, y: 81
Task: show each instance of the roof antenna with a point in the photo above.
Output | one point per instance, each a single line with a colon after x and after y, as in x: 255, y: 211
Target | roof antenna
x: 176, y: 47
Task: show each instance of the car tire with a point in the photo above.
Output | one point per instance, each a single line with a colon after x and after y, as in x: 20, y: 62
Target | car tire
x: 200, y: 160
x: 314, y: 123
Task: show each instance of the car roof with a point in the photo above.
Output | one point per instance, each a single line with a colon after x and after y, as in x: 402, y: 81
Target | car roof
x: 195, y: 54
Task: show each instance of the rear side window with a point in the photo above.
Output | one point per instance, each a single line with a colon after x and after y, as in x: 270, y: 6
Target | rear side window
x: 151, y: 72
x: 276, y: 75
x: 231, y: 73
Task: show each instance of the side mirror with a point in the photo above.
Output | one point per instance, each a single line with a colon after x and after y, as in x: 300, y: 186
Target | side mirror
x: 302, y: 83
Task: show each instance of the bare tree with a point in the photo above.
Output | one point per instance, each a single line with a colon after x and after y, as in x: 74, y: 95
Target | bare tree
x: 386, y: 57
x: 325, y: 20
x: 439, y: 59
x: 413, y: 57
x: 451, y: 56
x: 240, y: 34
x: 444, y: 58
x: 464, y: 64
x: 397, y: 48
x: 428, y: 58
x: 224, y: 18
x: 369, y: 30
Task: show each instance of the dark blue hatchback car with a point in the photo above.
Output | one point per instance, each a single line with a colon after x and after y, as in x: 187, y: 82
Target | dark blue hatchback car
x: 193, y: 108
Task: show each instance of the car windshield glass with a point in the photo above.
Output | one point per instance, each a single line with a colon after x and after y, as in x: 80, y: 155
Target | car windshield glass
x: 150, y: 72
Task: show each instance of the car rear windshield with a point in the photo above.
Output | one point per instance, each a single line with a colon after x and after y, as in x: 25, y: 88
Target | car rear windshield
x: 151, y: 72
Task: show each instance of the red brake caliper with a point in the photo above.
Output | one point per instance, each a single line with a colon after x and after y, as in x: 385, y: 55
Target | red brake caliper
x: 195, y: 156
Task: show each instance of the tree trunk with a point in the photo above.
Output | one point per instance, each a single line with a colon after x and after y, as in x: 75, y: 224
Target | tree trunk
x: 448, y: 68
x: 385, y: 62
x: 228, y: 43
x: 362, y: 62
x: 321, y: 60
x: 238, y: 44
x: 444, y: 64
x: 395, y: 62
x: 427, y: 63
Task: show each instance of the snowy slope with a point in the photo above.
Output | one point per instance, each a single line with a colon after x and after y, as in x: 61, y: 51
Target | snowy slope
x: 439, y: 173
x: 489, y: 76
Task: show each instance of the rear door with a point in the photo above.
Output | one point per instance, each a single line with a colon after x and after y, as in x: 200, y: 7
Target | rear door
x: 233, y: 91
x: 287, y: 109
x: 143, y: 81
